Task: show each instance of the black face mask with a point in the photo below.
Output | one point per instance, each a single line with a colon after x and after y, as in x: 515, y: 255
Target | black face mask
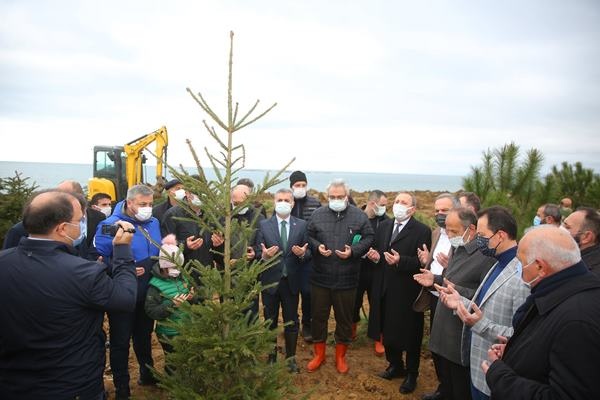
x: 440, y: 220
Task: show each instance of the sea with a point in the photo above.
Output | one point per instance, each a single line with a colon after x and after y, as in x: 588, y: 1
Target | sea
x: 47, y: 175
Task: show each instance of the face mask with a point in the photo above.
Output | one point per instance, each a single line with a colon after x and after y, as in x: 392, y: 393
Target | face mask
x: 483, y: 246
x: 106, y: 211
x: 337, y: 205
x: 82, y: 232
x: 440, y: 220
x: 174, y: 272
x: 179, y: 194
x: 537, y: 221
x: 242, y: 211
x: 283, y: 208
x: 144, y: 213
x: 380, y: 210
x: 196, y: 201
x: 299, y: 193
x: 457, y: 241
x: 528, y: 284
x: 400, y: 211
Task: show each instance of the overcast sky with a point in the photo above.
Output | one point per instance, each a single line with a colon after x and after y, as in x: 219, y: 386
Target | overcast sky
x: 373, y: 86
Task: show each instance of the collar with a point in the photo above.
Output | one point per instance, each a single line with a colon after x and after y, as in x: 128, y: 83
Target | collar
x: 282, y: 219
x: 505, y: 257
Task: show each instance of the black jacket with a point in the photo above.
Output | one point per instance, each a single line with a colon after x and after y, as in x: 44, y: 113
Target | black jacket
x: 591, y: 258
x: 53, y: 303
x: 335, y: 230
x: 554, y: 351
x: 305, y: 207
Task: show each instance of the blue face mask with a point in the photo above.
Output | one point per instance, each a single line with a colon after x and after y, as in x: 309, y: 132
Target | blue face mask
x: 537, y: 221
x: 82, y: 232
x: 483, y: 245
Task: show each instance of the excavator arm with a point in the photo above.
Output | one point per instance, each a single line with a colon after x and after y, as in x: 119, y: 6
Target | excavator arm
x: 135, y: 155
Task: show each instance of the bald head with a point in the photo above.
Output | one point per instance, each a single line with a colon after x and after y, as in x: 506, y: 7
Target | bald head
x: 239, y: 194
x: 550, y: 245
x: 70, y: 186
x: 48, y: 209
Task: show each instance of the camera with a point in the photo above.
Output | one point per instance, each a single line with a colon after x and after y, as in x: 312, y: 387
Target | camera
x: 111, y: 230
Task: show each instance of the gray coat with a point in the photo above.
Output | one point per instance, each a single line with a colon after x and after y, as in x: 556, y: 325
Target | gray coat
x: 503, y: 298
x: 466, y: 270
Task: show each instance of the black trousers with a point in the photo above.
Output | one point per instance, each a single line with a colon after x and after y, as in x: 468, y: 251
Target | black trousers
x: 365, y: 283
x: 167, y: 349
x: 437, y: 362
x: 284, y: 298
x: 456, y: 380
x: 305, y: 295
x: 123, y: 327
x: 342, y: 301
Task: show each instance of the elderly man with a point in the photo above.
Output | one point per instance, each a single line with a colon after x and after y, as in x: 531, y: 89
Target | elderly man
x: 137, y: 210
x: 584, y: 227
x: 467, y: 268
x: 547, y: 214
x: 375, y: 210
x: 394, y: 290
x: 554, y: 350
x: 489, y: 313
x: 339, y: 235
x: 51, y: 338
x: 287, y: 235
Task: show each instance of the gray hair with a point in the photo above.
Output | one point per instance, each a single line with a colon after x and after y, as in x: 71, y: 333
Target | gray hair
x: 339, y: 182
x: 559, y: 254
x: 136, y: 190
x: 413, y: 198
x: 553, y: 210
x: 285, y: 190
x: 455, y: 201
x: 466, y: 216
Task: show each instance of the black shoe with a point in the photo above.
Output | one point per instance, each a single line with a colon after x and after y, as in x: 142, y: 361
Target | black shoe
x: 392, y: 372
x: 292, y: 366
x: 149, y: 381
x: 437, y: 395
x: 409, y: 385
x: 306, y: 333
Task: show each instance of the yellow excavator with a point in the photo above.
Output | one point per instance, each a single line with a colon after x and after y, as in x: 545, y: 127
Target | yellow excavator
x: 117, y: 168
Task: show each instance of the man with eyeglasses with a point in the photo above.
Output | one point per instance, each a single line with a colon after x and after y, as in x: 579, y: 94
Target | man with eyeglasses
x: 489, y: 313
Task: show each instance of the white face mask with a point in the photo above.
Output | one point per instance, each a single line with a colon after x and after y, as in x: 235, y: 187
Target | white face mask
x: 528, y: 284
x: 379, y: 210
x: 196, y: 201
x: 144, y: 213
x: 105, y: 210
x: 243, y: 211
x: 457, y: 241
x: 179, y: 194
x: 299, y: 193
x: 400, y: 211
x: 174, y: 272
x: 283, y: 208
x: 337, y: 205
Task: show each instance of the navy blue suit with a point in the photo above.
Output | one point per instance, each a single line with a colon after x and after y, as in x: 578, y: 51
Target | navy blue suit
x: 285, y: 292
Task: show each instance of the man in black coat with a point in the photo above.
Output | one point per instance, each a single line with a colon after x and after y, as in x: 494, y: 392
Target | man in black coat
x: 395, y: 290
x: 339, y: 235
x: 286, y: 234
x: 554, y: 350
x: 584, y: 226
x: 51, y: 338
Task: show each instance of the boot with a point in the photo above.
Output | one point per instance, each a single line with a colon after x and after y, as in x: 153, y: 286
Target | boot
x: 379, y: 349
x: 340, y: 358
x: 354, y: 328
x: 319, y: 357
x: 291, y: 338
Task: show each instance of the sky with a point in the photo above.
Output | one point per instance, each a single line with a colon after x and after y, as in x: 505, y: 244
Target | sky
x: 419, y: 87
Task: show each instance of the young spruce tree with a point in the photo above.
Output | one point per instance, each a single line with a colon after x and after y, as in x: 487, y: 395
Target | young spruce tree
x: 221, y: 350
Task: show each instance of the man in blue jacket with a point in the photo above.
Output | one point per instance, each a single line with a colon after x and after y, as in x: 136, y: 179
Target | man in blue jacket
x: 51, y: 338
x: 137, y: 210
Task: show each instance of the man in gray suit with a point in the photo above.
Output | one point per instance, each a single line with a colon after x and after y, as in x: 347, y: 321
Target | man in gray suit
x: 467, y: 268
x: 489, y: 313
x: 287, y: 235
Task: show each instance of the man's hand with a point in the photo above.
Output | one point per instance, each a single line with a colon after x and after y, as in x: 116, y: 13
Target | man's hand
x: 344, y: 254
x: 373, y: 255
x: 268, y: 253
x: 139, y: 271
x: 392, y: 258
x: 469, y: 318
x: 124, y: 233
x: 217, y: 239
x: 425, y: 278
x: 423, y: 254
x: 194, y: 244
x: 324, y: 251
x: 442, y: 259
x: 299, y: 251
x: 250, y: 254
x: 494, y: 353
x: 448, y: 295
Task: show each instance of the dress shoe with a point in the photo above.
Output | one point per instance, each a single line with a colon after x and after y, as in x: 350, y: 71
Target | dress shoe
x: 409, y: 385
x: 392, y: 372
x: 437, y: 395
x: 147, y: 381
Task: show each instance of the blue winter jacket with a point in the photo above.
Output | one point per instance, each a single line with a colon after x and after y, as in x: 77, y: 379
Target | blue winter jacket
x: 143, y: 250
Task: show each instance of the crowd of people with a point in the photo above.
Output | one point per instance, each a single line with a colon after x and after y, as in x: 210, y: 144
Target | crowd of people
x: 508, y: 319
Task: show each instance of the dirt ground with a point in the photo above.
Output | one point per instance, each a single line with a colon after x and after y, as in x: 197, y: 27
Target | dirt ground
x: 326, y: 383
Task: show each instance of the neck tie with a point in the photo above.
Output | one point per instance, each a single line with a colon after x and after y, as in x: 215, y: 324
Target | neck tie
x: 395, y: 232
x: 284, y: 240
